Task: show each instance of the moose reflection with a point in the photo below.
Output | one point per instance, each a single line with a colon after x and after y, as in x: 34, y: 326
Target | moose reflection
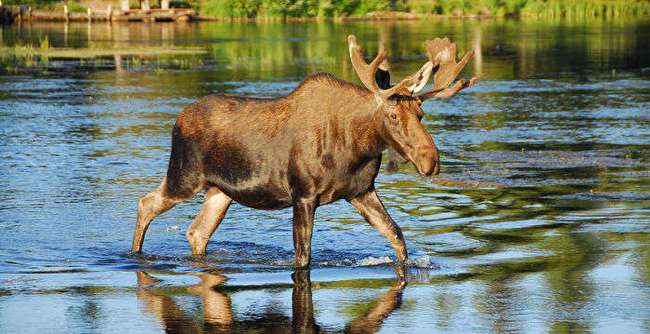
x: 218, y: 315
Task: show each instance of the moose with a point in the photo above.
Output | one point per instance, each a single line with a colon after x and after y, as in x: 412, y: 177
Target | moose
x: 320, y: 143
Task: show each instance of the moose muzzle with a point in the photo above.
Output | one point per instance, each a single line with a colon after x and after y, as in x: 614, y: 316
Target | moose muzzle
x: 427, y: 160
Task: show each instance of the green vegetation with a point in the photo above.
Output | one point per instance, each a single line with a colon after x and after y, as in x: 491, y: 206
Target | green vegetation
x: 499, y: 8
x: 246, y: 51
x: 30, y: 2
x: 533, y: 8
x: 74, y: 6
x: 290, y: 8
x: 272, y: 9
x: 86, y: 53
x: 28, y: 56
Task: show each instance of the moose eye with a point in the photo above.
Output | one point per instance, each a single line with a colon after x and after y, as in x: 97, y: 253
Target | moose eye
x: 393, y: 117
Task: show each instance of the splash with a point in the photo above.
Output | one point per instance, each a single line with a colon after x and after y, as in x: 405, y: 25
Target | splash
x: 421, y: 262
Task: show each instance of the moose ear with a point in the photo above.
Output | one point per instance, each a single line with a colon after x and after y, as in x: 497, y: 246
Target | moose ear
x: 420, y: 78
x: 382, y: 76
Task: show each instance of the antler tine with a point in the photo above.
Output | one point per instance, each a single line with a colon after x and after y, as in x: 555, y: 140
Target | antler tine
x: 365, y: 71
x: 442, y: 54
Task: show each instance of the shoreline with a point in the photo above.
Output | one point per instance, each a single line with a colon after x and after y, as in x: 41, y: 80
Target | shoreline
x: 18, y: 14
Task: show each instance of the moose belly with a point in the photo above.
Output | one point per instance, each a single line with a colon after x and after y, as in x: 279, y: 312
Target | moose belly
x: 263, y: 198
x: 252, y: 182
x: 265, y: 185
x: 259, y: 192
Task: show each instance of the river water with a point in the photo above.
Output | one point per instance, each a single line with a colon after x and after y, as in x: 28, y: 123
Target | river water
x: 538, y: 222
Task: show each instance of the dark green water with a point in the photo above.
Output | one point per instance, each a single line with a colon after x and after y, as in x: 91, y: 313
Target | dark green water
x: 538, y: 222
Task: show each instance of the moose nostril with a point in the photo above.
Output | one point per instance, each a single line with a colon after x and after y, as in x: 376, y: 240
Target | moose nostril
x: 436, y: 168
x: 426, y: 166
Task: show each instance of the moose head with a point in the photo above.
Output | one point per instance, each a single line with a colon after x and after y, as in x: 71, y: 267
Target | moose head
x: 399, y: 106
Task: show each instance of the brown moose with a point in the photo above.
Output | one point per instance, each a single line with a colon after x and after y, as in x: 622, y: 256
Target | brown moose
x: 321, y: 143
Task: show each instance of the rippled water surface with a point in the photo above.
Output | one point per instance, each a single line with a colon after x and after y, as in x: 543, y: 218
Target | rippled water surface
x: 538, y: 222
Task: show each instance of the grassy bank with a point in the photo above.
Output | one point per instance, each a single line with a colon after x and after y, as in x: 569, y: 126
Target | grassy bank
x: 533, y: 8
x: 272, y: 9
x: 53, y: 5
x: 496, y: 8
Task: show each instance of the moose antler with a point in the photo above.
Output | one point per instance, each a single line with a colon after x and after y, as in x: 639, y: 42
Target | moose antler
x: 368, y: 72
x: 442, y: 54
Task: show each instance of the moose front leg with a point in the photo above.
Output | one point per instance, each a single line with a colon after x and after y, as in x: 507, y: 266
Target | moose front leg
x: 303, y: 224
x: 370, y: 206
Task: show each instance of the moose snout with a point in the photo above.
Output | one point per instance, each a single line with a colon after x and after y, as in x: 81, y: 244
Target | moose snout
x: 428, y: 161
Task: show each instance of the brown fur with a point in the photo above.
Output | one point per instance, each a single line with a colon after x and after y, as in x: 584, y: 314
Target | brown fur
x: 320, y: 143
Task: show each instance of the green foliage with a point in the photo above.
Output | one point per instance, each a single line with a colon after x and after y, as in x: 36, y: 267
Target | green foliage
x: 76, y: 7
x: 44, y: 42
x: 30, y: 2
x: 532, y: 8
x: 228, y: 8
x: 56, y: 5
x: 586, y: 8
x: 342, y: 8
x: 368, y: 6
x: 291, y: 8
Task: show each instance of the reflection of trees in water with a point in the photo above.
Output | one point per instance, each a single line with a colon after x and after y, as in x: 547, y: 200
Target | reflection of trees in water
x: 267, y: 51
x: 499, y: 304
x: 555, y: 246
x: 89, y: 313
x: 446, y: 305
x: 218, y: 313
x: 566, y: 272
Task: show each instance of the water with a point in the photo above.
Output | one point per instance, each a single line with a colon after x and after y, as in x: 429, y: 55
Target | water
x: 538, y: 222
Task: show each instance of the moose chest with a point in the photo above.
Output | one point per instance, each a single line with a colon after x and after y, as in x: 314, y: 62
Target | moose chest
x: 347, y: 182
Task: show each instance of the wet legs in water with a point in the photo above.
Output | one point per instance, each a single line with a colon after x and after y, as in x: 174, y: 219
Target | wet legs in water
x: 303, y: 225
x: 149, y: 207
x: 370, y: 206
x: 215, y: 206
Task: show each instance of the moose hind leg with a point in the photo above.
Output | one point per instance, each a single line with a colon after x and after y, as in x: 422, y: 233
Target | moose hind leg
x: 149, y: 207
x: 370, y: 206
x: 215, y: 206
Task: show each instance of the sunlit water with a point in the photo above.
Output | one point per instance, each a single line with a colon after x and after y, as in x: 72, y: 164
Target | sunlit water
x: 538, y: 222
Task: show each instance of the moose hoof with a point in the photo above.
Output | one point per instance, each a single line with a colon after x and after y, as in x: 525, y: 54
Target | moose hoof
x: 199, y: 249
x: 198, y: 252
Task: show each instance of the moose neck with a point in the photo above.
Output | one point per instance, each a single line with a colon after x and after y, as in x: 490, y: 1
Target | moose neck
x: 351, y: 111
x: 367, y: 127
